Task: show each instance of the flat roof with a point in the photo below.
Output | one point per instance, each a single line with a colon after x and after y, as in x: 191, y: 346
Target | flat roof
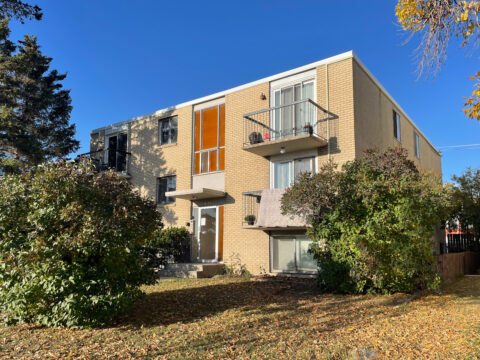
x: 329, y: 60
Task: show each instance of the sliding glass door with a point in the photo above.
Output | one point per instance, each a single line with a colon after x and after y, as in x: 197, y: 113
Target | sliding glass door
x: 290, y: 120
x: 291, y: 254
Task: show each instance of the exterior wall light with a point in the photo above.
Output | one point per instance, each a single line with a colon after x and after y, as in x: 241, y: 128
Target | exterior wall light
x: 282, y: 150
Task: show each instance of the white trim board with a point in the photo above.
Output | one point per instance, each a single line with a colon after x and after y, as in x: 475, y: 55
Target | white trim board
x: 330, y: 60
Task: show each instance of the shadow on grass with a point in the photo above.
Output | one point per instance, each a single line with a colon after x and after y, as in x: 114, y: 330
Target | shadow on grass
x: 465, y: 286
x: 261, y: 298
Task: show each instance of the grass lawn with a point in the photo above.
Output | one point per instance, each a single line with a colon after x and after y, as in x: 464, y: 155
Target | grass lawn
x: 229, y: 318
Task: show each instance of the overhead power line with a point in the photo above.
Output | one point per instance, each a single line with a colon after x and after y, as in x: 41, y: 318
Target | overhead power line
x: 460, y: 147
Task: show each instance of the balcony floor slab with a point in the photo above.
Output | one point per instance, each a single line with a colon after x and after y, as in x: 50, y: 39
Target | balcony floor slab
x: 294, y: 143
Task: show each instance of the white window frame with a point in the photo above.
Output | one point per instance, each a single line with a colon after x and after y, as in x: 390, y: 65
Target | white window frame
x: 291, y: 157
x: 399, y: 127
x: 297, y: 270
x: 166, y: 197
x: 197, y: 232
x: 217, y: 104
x: 416, y: 144
x: 160, y: 122
x: 291, y: 81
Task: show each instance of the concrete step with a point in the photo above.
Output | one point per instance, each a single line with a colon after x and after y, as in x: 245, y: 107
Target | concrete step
x: 192, y: 270
x: 185, y: 266
x: 178, y: 274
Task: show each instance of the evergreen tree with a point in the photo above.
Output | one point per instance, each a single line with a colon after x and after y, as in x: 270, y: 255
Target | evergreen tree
x: 34, y: 107
x: 19, y: 10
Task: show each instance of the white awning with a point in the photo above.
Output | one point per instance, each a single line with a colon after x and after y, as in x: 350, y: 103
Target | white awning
x: 196, y: 194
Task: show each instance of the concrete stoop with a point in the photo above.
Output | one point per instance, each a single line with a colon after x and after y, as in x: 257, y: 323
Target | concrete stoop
x: 191, y: 270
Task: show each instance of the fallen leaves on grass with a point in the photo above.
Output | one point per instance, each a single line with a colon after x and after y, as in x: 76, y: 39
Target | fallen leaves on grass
x: 237, y: 319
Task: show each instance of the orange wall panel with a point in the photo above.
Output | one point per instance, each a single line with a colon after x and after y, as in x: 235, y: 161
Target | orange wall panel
x: 213, y: 161
x: 209, y: 128
x: 222, y: 125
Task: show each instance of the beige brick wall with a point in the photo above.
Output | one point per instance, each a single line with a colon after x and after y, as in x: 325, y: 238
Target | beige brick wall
x: 97, y: 142
x: 364, y: 120
x: 340, y: 102
x: 150, y: 161
x: 374, y: 123
x: 244, y: 171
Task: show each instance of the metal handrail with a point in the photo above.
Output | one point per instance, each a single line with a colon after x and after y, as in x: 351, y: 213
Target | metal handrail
x: 334, y: 116
x: 103, y: 165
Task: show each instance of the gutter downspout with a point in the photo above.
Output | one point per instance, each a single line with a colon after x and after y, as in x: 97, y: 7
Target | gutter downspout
x: 327, y: 92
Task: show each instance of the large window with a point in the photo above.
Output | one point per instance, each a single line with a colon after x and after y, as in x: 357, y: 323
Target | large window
x: 166, y: 184
x: 285, y: 172
x: 210, y: 140
x: 291, y: 254
x: 396, y: 126
x: 290, y: 120
x: 416, y: 144
x: 167, y: 130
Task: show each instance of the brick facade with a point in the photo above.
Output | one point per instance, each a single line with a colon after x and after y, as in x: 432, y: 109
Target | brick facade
x: 364, y: 120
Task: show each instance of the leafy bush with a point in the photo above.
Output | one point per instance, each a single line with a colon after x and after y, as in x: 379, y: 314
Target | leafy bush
x: 371, y: 222
x: 168, y: 245
x: 235, y: 268
x: 70, y: 245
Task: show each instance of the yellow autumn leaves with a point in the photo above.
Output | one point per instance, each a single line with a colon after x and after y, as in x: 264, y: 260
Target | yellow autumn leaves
x: 409, y: 14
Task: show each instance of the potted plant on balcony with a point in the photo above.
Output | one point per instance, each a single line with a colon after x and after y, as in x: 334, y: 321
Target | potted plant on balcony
x: 308, y: 129
x: 250, y: 219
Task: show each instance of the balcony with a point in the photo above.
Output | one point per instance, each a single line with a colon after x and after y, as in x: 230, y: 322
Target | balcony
x: 297, y: 126
x: 261, y: 210
x: 116, y: 160
x: 251, y: 202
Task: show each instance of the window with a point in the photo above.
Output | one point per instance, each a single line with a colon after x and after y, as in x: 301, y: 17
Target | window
x: 167, y: 130
x: 117, y: 152
x: 396, y: 126
x: 285, y: 172
x: 209, y: 140
x: 416, y: 143
x: 290, y: 120
x: 166, y: 184
x: 291, y: 254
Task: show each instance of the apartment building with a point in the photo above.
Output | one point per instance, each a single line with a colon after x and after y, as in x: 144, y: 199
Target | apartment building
x: 219, y: 164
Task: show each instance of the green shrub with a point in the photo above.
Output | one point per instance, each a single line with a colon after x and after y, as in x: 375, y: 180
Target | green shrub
x: 70, y: 244
x: 371, y: 222
x: 168, y: 245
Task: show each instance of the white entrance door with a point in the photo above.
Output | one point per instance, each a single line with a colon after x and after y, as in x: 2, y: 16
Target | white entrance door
x: 205, y: 248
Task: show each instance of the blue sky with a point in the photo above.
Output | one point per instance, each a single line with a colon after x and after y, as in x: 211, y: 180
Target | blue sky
x: 128, y: 58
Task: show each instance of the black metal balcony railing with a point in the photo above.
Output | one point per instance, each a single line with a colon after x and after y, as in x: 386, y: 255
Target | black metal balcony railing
x: 251, y: 202
x: 459, y: 243
x: 117, y: 160
x: 304, y: 117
